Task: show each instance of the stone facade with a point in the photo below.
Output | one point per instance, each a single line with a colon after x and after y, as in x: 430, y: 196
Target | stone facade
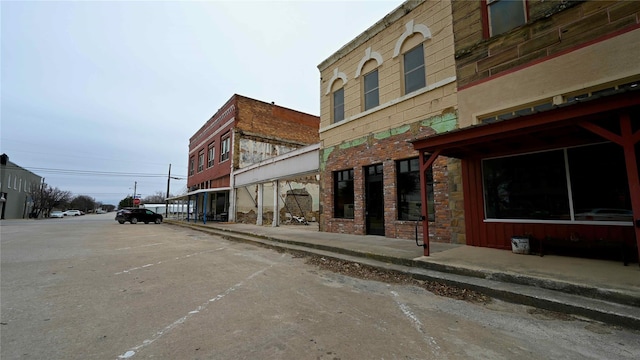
x: 380, y: 135
x: 566, y: 48
x: 552, y: 28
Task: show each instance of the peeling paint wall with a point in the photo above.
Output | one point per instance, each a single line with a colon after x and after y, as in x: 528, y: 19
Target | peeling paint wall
x: 299, y: 197
x: 253, y: 151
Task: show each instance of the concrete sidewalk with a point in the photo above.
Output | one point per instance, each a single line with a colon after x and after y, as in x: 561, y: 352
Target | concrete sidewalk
x: 601, y: 290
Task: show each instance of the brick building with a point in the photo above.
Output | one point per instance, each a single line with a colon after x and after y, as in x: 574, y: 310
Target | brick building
x: 243, y: 132
x: 392, y: 83
x: 549, y: 115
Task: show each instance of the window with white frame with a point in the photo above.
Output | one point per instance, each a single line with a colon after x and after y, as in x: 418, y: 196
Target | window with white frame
x: 191, y: 166
x: 338, y: 105
x: 504, y: 15
x: 371, y: 90
x: 200, y: 160
x: 414, y: 70
x: 559, y: 185
x: 211, y: 155
x: 225, y: 148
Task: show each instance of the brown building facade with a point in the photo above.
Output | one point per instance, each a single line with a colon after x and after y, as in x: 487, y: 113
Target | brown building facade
x: 549, y: 115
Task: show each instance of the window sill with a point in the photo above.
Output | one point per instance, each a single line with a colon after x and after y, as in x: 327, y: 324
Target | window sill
x: 393, y: 102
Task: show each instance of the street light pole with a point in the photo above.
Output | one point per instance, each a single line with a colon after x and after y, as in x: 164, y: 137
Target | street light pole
x: 3, y: 200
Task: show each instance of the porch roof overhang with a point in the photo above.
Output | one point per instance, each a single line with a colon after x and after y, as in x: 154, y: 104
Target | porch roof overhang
x: 557, y: 127
x: 199, y: 191
x: 300, y: 162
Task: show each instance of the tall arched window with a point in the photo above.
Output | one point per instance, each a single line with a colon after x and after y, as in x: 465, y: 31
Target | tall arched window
x: 337, y: 103
x: 414, y: 70
x: 413, y: 66
x: 336, y: 89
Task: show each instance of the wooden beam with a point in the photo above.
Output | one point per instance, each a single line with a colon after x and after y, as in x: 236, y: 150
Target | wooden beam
x: 602, y: 132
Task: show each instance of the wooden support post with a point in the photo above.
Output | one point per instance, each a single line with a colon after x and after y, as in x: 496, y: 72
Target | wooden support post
x: 631, y: 160
x: 425, y: 164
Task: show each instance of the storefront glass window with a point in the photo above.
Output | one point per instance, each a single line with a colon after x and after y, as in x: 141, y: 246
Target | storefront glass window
x: 535, y: 186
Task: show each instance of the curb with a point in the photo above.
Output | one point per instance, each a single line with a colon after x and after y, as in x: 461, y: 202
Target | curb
x: 592, y: 303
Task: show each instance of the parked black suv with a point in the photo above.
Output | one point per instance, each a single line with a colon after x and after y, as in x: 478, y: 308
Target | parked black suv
x: 135, y: 215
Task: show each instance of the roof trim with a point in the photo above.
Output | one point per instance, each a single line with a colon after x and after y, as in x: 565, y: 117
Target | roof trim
x: 402, y: 10
x: 561, y: 116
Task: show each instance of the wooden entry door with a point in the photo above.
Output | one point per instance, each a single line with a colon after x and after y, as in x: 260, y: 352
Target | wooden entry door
x: 374, y: 197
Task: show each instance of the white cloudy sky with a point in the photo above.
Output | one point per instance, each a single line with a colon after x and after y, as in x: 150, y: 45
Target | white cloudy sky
x: 91, y: 89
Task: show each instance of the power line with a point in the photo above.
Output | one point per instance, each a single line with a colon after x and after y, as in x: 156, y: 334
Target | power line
x: 90, y: 172
x: 68, y: 155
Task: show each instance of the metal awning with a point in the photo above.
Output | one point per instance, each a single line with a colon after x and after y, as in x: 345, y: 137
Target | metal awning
x: 199, y: 191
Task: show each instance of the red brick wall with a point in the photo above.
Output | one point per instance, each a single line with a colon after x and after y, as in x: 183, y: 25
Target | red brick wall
x: 257, y: 119
x: 200, y: 141
x: 385, y: 151
x: 277, y: 122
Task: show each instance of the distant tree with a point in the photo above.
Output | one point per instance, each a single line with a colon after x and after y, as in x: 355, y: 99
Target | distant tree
x: 83, y: 202
x: 126, y: 202
x: 108, y: 207
x: 55, y: 198
x: 157, y: 198
x: 45, y: 198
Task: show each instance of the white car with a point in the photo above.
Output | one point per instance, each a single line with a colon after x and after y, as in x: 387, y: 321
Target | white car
x: 56, y: 214
x: 72, y: 213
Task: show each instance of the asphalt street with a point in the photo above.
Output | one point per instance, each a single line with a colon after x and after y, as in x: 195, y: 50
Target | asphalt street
x: 89, y: 288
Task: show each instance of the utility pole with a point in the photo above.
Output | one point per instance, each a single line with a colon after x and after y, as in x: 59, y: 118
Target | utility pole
x: 166, y: 199
x: 4, y: 158
x: 135, y: 184
x: 41, y: 211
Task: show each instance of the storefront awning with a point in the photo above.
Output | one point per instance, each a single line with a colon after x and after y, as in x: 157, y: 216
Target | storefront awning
x: 196, y: 192
x: 561, y: 126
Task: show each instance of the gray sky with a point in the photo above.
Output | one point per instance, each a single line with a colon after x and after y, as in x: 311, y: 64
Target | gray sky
x: 90, y: 89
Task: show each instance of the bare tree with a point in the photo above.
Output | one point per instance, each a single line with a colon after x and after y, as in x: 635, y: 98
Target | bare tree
x: 157, y: 198
x: 54, y: 197
x: 37, y: 197
x: 45, y: 198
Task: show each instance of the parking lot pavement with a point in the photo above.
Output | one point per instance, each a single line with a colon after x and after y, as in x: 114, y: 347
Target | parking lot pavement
x: 89, y: 288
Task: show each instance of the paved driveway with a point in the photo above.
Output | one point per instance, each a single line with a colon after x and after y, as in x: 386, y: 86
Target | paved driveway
x: 90, y: 288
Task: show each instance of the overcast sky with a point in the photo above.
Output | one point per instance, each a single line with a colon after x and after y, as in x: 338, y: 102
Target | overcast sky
x: 99, y: 95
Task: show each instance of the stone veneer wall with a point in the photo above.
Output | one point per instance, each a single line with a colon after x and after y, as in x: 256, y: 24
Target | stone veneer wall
x: 553, y: 26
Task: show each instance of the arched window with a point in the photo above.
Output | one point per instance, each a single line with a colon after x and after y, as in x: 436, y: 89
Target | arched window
x: 370, y: 84
x: 336, y: 88
x: 413, y: 64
